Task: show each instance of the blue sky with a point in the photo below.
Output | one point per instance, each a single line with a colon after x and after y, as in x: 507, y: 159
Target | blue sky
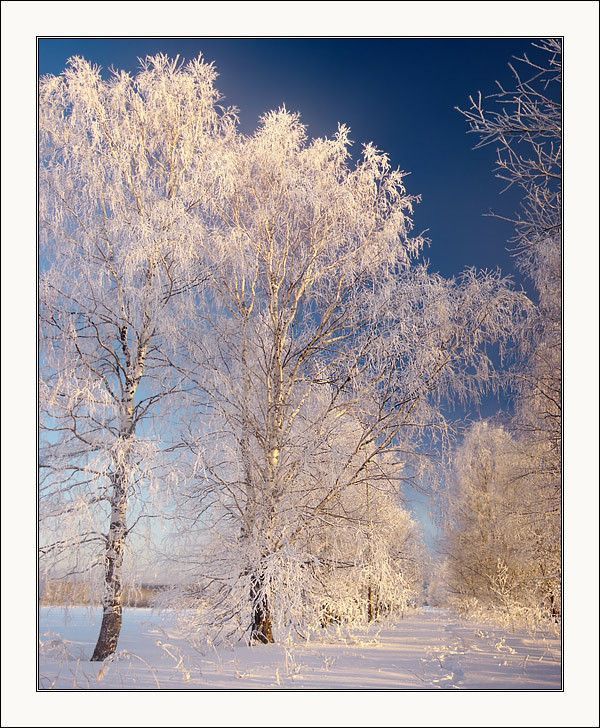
x: 399, y: 94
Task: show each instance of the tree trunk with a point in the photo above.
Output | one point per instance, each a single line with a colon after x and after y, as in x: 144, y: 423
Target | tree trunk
x: 370, y: 615
x: 112, y: 618
x: 112, y: 614
x: 554, y: 610
x: 261, y: 629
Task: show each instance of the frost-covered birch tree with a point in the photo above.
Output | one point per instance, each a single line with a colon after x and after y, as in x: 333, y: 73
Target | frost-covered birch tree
x: 524, y: 122
x: 502, y: 543
x: 329, y: 350
x: 123, y: 163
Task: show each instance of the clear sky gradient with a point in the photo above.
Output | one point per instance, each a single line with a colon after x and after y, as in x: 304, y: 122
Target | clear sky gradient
x: 399, y: 94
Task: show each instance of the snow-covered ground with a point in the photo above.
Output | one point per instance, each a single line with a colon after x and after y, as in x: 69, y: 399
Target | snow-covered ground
x: 426, y: 650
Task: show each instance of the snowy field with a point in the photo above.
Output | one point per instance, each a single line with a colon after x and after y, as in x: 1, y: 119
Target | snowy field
x: 426, y: 650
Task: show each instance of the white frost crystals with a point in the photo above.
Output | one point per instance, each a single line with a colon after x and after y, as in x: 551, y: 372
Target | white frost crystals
x: 242, y: 348
x: 504, y: 527
x: 121, y: 169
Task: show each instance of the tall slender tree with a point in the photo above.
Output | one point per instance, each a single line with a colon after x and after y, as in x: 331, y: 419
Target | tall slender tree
x: 122, y: 168
x: 524, y: 122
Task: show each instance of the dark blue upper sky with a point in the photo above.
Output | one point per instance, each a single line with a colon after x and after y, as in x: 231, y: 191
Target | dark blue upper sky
x: 398, y: 93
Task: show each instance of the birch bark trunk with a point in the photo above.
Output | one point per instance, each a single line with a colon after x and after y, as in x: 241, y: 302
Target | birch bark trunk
x: 112, y: 607
x: 112, y: 602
